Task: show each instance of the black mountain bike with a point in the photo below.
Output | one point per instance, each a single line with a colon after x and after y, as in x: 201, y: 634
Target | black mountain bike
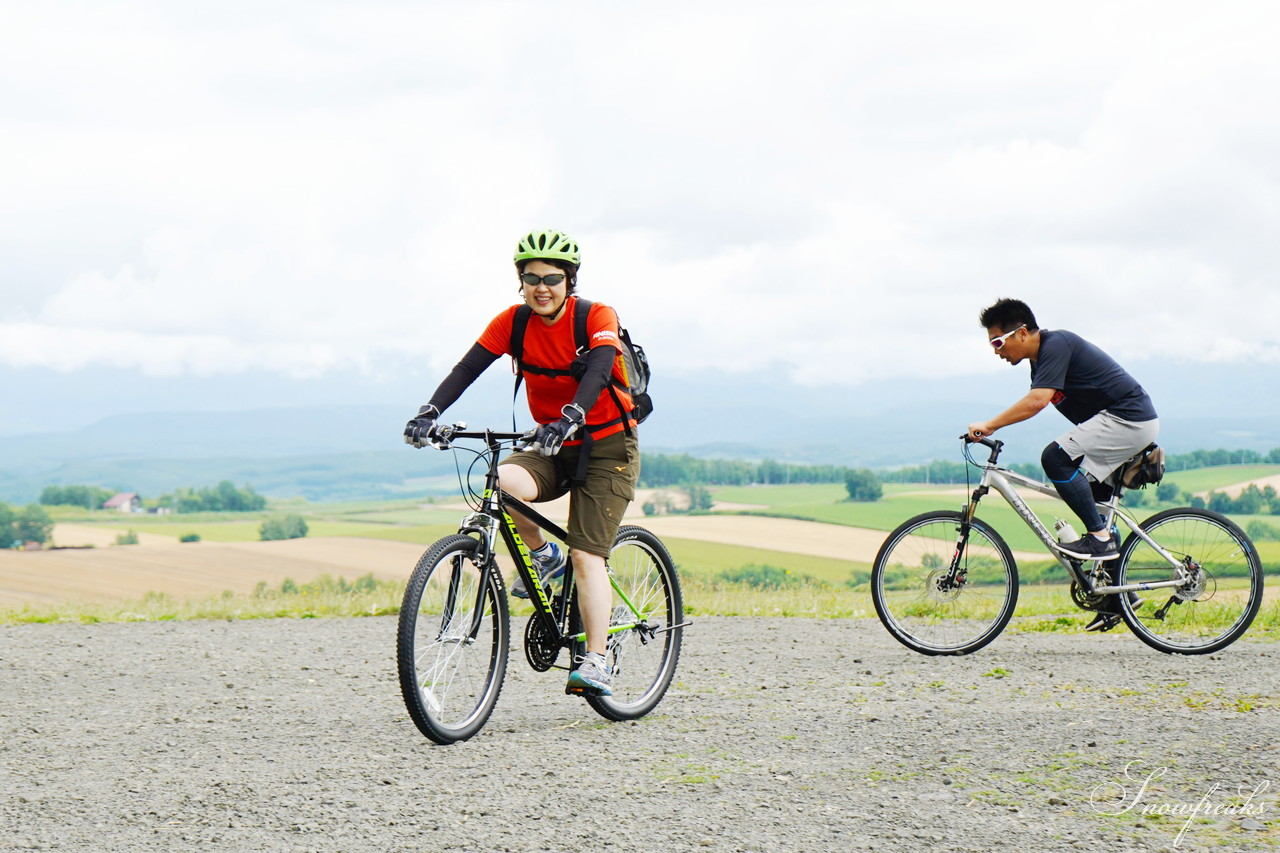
x: 454, y: 631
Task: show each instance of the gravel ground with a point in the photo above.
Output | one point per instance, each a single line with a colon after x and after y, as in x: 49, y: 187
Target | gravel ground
x: 779, y: 735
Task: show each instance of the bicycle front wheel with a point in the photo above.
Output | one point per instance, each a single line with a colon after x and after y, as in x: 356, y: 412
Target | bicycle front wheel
x: 1220, y: 587
x: 927, y: 607
x: 452, y: 642
x: 644, y: 637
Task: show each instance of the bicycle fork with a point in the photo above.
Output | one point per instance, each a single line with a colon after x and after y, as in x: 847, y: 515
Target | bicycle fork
x: 957, y: 571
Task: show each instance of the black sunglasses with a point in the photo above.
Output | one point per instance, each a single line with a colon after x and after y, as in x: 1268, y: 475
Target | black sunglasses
x: 551, y: 280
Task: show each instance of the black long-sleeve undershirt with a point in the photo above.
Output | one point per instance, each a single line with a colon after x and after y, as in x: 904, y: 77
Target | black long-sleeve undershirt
x: 460, y: 378
x: 599, y: 368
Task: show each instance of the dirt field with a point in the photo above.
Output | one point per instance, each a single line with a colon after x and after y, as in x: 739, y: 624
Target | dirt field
x: 162, y: 564
x: 192, y: 569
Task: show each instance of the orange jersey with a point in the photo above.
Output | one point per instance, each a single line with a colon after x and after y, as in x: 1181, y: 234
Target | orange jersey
x: 553, y: 347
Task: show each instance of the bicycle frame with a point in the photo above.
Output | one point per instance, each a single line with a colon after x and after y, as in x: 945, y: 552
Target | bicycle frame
x: 493, y: 520
x: 1006, y: 482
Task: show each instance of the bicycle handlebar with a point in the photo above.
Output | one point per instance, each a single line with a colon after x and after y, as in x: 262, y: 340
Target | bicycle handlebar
x: 448, y: 432
x: 987, y: 440
x: 995, y: 444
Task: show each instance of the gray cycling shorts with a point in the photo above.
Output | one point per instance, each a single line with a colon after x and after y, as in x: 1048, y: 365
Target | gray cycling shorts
x: 1106, y: 441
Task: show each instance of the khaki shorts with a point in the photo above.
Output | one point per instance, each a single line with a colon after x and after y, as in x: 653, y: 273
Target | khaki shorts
x: 1106, y: 442
x: 595, y: 507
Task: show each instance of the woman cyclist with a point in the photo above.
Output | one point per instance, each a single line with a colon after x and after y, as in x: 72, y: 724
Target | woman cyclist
x: 585, y: 443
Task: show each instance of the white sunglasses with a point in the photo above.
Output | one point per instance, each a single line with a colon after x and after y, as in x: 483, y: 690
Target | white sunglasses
x: 998, y: 341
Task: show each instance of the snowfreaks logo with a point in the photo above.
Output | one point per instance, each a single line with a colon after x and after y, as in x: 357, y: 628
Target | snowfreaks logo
x: 1115, y: 798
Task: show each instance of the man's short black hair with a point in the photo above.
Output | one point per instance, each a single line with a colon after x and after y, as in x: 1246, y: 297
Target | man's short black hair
x: 1008, y: 314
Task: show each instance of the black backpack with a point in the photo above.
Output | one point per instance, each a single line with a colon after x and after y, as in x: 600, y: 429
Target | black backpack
x: 635, y: 366
x: 1145, y: 469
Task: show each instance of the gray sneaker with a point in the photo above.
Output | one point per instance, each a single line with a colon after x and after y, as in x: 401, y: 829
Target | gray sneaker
x: 550, y: 566
x: 593, y: 676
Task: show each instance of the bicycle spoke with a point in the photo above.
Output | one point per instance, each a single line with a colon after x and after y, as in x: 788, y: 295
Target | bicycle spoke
x: 928, y: 605
x: 642, y: 659
x: 451, y: 662
x: 1219, y: 575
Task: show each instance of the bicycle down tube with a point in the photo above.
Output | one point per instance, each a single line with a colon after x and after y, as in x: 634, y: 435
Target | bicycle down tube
x: 512, y: 537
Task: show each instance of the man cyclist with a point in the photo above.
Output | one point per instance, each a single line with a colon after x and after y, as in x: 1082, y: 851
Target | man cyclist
x: 1113, y: 416
x: 585, y: 443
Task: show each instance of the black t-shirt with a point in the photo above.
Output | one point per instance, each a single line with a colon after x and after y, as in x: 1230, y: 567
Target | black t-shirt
x: 1087, y: 380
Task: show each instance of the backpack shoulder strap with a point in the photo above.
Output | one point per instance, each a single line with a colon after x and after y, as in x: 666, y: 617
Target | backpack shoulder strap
x: 580, y: 324
x: 519, y: 323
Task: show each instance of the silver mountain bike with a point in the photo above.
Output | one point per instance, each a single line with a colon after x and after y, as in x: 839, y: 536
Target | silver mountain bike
x: 1188, y: 581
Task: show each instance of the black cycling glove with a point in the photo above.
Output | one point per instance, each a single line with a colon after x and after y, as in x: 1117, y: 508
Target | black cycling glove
x: 549, y: 438
x: 421, y: 430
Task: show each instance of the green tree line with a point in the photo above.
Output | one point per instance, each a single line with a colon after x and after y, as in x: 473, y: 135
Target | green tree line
x: 659, y: 470
x: 945, y: 471
x: 89, y: 497
x: 224, y: 497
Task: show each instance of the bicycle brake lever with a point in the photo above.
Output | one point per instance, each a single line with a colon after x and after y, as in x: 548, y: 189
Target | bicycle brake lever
x: 526, y: 440
x: 440, y: 441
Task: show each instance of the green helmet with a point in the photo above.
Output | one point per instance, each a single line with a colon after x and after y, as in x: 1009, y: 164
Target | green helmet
x: 548, y: 245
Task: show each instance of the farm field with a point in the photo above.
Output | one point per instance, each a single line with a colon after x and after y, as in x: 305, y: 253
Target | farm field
x: 808, y: 530
x: 1225, y: 478
x: 826, y: 503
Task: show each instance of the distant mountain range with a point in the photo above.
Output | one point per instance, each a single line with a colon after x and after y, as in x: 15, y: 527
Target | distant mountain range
x: 331, y: 451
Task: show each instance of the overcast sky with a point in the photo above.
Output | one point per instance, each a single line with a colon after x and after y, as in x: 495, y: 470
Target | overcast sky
x: 830, y: 190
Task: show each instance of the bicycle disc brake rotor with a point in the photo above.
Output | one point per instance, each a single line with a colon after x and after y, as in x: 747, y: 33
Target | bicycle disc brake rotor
x: 541, y: 647
x: 1197, y: 585
x: 940, y: 587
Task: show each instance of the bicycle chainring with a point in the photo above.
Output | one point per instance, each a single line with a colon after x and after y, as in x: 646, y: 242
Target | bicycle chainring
x: 541, y: 647
x: 1084, y: 600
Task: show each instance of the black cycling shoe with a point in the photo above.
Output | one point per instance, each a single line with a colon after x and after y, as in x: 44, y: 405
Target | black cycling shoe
x: 1090, y: 547
x: 1104, y: 622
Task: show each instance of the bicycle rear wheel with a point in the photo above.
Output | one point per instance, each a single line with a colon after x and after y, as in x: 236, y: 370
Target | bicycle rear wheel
x: 1222, y: 588
x: 452, y: 643
x: 644, y: 656
x: 922, y: 606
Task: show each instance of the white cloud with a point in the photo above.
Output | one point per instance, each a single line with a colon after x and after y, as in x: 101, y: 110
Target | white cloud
x: 833, y: 189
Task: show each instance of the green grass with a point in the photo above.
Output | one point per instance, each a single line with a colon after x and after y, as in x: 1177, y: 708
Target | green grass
x: 827, y: 503
x: 1218, y: 477
x: 1041, y: 608
x: 705, y: 560
x: 324, y: 597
